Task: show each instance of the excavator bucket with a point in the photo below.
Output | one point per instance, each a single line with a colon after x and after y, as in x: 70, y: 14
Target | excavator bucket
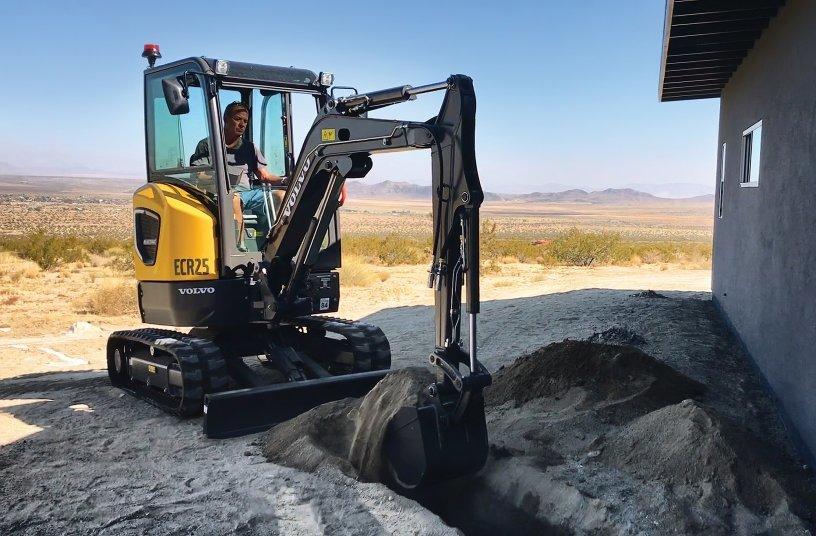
x: 247, y: 411
x: 420, y: 448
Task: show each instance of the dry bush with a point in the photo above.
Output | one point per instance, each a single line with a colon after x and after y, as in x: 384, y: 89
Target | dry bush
x: 389, y: 250
x: 111, y: 298
x: 120, y: 259
x: 50, y: 250
x: 10, y: 300
x: 99, y: 245
x: 688, y: 254
x: 45, y: 249
x: 490, y: 267
x: 581, y: 248
x: 512, y: 249
x: 355, y: 272
x: 14, y: 268
x: 538, y: 278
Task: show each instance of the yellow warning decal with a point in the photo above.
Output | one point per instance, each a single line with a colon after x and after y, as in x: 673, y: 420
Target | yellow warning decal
x: 328, y: 134
x: 151, y: 369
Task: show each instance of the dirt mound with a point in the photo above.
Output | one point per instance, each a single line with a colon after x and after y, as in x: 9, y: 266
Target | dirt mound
x: 585, y: 438
x: 606, y: 371
x: 603, y: 438
x: 650, y: 294
x: 311, y: 439
x: 347, y: 434
x: 618, y: 335
x: 687, y: 445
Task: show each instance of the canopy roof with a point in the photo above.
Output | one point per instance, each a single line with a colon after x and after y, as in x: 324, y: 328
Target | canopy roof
x: 704, y: 41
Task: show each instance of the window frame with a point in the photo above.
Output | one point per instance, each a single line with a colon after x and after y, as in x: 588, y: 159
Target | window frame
x: 165, y: 175
x: 723, y: 153
x: 747, y: 154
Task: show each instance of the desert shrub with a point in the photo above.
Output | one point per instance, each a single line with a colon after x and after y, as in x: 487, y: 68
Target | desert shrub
x: 99, y: 245
x: 695, y: 254
x: 111, y: 298
x: 14, y: 268
x: 46, y: 250
x: 355, y: 272
x: 120, y: 259
x: 489, y: 240
x: 50, y: 250
x: 581, y: 248
x: 499, y: 247
x: 389, y: 250
x: 496, y: 250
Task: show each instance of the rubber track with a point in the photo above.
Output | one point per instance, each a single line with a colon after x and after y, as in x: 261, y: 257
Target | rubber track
x: 369, y: 344
x: 203, y: 368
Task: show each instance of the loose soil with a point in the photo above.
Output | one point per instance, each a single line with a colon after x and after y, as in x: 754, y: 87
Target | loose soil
x: 347, y: 434
x: 585, y: 437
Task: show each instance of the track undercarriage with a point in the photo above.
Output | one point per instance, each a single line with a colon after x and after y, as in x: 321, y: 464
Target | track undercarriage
x: 176, y: 371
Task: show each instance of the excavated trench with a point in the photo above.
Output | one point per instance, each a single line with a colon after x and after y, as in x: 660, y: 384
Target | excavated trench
x: 585, y: 437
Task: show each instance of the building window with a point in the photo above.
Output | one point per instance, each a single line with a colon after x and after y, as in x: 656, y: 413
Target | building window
x: 722, y: 181
x: 751, y: 149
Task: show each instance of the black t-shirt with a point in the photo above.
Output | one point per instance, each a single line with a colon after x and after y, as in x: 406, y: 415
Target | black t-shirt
x: 241, y: 161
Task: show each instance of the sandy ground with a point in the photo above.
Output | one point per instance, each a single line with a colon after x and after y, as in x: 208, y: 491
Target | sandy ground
x: 76, y: 456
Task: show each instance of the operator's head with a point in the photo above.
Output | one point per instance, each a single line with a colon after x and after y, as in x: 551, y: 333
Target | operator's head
x: 236, y: 117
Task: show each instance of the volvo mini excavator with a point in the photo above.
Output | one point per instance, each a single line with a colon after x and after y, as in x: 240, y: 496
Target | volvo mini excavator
x: 260, y: 292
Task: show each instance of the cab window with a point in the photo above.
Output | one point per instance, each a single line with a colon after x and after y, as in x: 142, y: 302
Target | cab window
x: 174, y: 140
x: 269, y: 129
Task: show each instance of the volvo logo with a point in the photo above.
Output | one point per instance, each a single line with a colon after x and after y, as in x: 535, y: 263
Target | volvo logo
x: 199, y: 290
x: 295, y: 191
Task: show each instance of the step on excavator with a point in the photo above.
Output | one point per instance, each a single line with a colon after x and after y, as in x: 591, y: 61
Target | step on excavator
x: 256, y: 281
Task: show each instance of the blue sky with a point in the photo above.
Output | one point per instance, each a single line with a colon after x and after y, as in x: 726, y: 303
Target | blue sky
x: 567, y: 91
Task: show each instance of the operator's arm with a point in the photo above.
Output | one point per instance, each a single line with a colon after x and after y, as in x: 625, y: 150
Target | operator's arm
x: 264, y: 175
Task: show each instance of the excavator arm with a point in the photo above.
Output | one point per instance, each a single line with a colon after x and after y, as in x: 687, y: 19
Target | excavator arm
x: 339, y: 147
x: 446, y: 436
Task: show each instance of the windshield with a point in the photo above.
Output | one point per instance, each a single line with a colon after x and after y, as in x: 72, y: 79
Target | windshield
x: 175, y: 143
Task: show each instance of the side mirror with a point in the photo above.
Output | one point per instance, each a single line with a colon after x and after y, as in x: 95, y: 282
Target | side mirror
x: 175, y: 95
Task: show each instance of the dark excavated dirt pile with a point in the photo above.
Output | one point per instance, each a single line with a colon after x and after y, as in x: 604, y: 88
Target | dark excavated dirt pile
x: 347, y: 434
x: 586, y: 438
x: 605, y: 374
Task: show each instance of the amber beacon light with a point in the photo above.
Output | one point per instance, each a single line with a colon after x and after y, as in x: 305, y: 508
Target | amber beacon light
x: 152, y: 53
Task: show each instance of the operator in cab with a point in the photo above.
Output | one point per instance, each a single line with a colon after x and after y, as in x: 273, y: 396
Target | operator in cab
x: 244, y: 161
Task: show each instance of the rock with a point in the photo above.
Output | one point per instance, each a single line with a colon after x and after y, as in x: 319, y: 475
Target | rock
x: 84, y: 328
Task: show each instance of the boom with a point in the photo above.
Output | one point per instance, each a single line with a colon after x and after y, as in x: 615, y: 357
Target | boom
x: 339, y: 147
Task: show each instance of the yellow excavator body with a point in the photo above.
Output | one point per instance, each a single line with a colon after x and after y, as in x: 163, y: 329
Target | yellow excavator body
x: 177, y: 232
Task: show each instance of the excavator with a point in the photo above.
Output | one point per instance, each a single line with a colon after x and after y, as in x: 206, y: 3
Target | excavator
x: 261, y: 347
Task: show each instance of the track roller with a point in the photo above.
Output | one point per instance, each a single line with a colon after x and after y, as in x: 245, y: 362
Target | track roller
x: 168, y: 369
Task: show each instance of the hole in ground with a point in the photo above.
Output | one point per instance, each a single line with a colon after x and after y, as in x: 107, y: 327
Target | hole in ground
x: 465, y: 504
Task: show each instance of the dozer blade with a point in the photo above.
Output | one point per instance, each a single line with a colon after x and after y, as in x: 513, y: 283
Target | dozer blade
x: 420, y: 449
x: 247, y: 411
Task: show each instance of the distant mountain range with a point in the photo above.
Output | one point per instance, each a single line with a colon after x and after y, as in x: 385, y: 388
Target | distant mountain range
x: 618, y: 196
x: 393, y: 190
